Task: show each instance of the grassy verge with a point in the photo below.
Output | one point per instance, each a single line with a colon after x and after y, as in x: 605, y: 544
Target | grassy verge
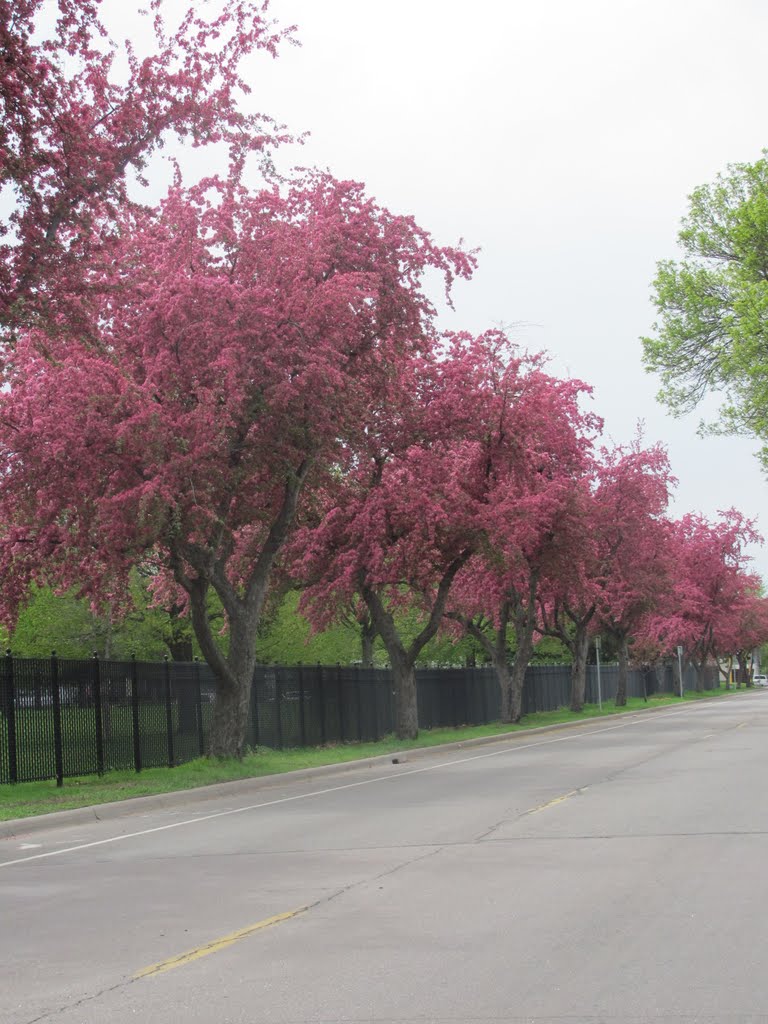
x: 30, y: 798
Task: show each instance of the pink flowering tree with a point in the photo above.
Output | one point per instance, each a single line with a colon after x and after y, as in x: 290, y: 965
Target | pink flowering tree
x: 751, y: 630
x: 224, y: 373
x: 537, y: 447
x: 633, y: 570
x: 400, y: 517
x: 709, y: 609
x: 568, y: 597
x: 78, y: 113
x: 743, y: 628
x: 615, y: 571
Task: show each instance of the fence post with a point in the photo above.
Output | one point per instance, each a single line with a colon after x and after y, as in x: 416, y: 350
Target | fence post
x: 302, y: 720
x: 279, y: 707
x: 483, y: 699
x: 98, y: 723
x: 199, y: 710
x: 340, y: 699
x: 374, y: 690
x: 321, y: 701
x: 255, y: 706
x: 169, y: 712
x: 135, y: 714
x: 10, y: 710
x: 57, y: 747
x: 358, y: 701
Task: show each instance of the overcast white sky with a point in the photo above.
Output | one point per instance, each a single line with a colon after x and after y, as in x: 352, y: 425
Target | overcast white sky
x: 562, y: 139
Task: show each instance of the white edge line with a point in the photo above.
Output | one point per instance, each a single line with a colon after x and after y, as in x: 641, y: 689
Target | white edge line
x: 331, y: 789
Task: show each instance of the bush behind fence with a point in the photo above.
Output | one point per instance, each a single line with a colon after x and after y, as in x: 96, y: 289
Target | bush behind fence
x: 61, y: 718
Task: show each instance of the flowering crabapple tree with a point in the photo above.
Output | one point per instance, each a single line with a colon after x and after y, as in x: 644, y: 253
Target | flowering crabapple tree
x: 634, y: 565
x: 567, y: 598
x: 743, y: 630
x: 401, y: 519
x: 231, y: 355
x: 73, y: 124
x: 712, y: 596
x: 537, y: 442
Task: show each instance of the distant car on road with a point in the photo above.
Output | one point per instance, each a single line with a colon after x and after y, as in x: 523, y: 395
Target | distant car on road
x: 759, y: 680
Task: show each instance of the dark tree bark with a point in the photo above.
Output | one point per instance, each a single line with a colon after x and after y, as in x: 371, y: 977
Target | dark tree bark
x: 180, y: 649
x: 524, y: 621
x: 520, y: 611
x: 579, y: 654
x: 402, y: 659
x: 368, y: 635
x: 200, y: 567
x: 495, y: 648
x: 699, y: 667
x: 744, y: 672
x: 570, y: 627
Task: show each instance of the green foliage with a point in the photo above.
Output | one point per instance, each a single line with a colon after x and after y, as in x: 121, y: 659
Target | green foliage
x: 66, y: 624
x: 286, y: 638
x: 712, y: 333
x: 550, y: 651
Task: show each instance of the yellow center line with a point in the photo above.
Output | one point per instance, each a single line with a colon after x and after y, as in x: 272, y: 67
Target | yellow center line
x: 215, y: 946
x: 557, y: 800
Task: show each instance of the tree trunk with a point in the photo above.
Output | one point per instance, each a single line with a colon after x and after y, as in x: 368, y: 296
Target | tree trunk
x: 234, y: 678
x: 659, y: 670
x: 524, y: 619
x: 744, y: 672
x: 197, y: 569
x: 504, y: 680
x: 229, y: 722
x: 699, y: 667
x: 621, y: 688
x: 402, y: 660
x: 367, y: 638
x: 579, y: 653
x: 516, y: 690
x: 524, y: 638
x: 180, y: 649
x: 406, y: 703
x: 496, y: 650
x: 523, y: 653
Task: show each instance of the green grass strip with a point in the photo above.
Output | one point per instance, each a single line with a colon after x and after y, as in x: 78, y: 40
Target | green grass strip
x: 25, y: 799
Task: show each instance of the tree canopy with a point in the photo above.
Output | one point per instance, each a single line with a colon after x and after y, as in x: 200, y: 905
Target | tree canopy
x: 225, y: 360
x: 78, y: 112
x: 712, y: 331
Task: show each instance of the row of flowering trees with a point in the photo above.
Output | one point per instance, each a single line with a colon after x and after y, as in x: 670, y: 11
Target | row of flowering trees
x: 239, y: 387
x: 523, y: 527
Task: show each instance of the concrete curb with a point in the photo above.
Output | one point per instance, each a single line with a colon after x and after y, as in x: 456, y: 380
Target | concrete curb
x: 22, y: 827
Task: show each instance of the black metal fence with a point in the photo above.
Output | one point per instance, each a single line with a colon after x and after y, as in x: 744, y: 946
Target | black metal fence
x: 61, y: 718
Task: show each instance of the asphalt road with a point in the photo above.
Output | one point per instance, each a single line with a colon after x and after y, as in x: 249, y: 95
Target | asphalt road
x: 611, y: 872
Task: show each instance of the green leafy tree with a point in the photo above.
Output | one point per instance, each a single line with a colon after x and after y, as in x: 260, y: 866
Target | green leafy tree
x: 287, y: 638
x: 712, y: 332
x: 67, y: 624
